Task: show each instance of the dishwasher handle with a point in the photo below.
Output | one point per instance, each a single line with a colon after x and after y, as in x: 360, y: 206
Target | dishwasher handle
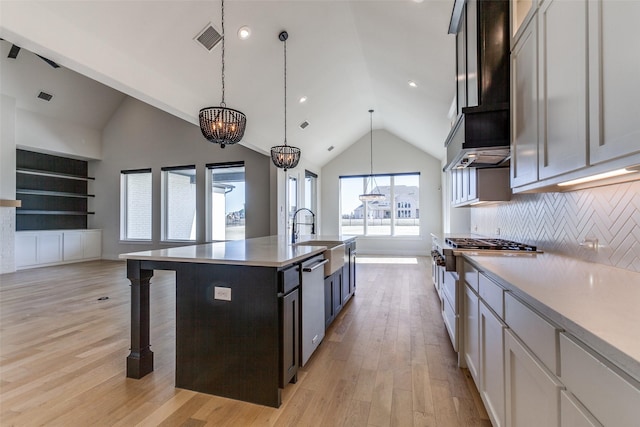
x: 317, y: 265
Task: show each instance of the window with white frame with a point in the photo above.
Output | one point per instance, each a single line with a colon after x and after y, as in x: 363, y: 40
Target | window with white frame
x: 135, y: 204
x: 179, y: 203
x: 226, y: 201
x: 397, y: 215
x: 311, y: 191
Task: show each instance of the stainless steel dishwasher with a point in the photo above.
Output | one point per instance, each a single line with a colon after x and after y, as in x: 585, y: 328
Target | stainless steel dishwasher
x: 312, y: 305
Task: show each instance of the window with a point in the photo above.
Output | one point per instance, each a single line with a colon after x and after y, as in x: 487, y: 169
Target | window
x: 311, y: 191
x: 397, y: 215
x: 226, y: 201
x: 135, y: 204
x: 179, y: 203
x: 292, y: 199
x: 351, y: 208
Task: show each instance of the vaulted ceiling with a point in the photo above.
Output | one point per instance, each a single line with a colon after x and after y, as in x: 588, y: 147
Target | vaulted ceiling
x: 344, y: 56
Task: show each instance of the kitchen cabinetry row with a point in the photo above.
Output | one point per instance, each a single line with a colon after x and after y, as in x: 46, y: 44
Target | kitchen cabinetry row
x: 574, y: 111
x: 340, y: 286
x: 471, y: 186
x: 526, y: 368
x: 39, y: 248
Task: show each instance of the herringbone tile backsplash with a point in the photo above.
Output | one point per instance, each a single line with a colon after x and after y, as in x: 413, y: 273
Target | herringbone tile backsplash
x: 558, y: 222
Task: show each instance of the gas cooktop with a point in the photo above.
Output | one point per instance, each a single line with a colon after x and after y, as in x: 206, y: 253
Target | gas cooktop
x: 488, y: 244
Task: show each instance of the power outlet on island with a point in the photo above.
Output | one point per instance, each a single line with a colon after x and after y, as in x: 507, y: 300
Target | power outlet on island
x: 221, y: 293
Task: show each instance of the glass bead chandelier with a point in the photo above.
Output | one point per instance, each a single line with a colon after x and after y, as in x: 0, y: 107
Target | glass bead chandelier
x: 285, y: 156
x: 222, y: 125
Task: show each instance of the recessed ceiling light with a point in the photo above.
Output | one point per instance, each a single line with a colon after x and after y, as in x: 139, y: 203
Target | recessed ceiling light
x: 412, y: 83
x: 303, y: 99
x: 244, y: 33
x: 418, y: 1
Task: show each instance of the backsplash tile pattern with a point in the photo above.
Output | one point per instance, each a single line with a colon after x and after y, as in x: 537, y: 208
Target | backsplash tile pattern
x: 558, y: 222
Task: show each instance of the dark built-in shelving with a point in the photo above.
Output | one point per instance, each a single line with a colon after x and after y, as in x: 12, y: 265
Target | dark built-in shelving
x: 53, y: 191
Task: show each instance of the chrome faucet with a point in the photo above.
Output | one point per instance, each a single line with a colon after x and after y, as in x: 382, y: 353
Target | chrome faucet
x: 294, y: 232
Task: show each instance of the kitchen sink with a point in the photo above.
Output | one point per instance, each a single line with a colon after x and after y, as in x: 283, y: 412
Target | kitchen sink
x: 334, y: 253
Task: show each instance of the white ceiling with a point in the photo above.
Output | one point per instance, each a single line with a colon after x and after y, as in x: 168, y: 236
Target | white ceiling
x: 345, y: 56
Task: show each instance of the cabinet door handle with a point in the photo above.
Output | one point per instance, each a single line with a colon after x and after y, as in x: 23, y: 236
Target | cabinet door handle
x: 318, y: 264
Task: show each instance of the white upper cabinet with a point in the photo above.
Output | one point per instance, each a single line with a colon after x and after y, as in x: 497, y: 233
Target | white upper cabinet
x: 573, y: 79
x: 562, y: 26
x: 614, y: 68
x: 524, y: 107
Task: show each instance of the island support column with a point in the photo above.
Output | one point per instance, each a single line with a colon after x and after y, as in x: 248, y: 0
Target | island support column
x: 140, y: 359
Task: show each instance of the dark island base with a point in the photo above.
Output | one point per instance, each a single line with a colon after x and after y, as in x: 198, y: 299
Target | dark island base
x: 225, y: 348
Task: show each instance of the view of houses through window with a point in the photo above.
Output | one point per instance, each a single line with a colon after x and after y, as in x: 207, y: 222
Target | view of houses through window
x: 397, y: 215
x: 226, y: 204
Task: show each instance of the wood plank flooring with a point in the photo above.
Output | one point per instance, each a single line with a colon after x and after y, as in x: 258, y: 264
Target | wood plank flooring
x: 385, y: 361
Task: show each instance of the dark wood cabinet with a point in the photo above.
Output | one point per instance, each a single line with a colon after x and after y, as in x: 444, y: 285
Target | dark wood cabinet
x: 289, y: 353
x: 289, y: 286
x: 332, y: 296
x: 341, y: 285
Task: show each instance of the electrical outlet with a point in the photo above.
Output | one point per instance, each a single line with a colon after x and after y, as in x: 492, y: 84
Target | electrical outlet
x: 498, y: 231
x: 221, y: 293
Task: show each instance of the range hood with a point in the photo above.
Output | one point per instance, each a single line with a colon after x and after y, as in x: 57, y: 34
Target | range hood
x: 480, y: 136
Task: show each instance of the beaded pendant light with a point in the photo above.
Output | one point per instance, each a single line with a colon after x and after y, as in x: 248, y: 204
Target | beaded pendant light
x: 285, y: 156
x: 371, y: 196
x: 222, y: 125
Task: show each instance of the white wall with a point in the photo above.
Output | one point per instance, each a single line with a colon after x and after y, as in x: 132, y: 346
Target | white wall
x: 141, y: 136
x: 7, y: 183
x: 43, y: 134
x: 7, y: 147
x: 390, y: 155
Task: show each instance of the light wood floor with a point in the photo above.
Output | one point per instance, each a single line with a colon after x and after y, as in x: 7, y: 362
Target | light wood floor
x: 386, y: 360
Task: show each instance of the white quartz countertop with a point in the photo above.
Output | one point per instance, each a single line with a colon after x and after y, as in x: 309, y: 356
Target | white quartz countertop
x: 596, y: 303
x: 270, y: 251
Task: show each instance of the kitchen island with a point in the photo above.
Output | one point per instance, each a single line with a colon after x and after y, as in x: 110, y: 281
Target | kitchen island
x: 231, y: 334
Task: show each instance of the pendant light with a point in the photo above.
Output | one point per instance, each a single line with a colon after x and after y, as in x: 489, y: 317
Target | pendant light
x: 285, y: 156
x: 371, y: 196
x: 222, y: 125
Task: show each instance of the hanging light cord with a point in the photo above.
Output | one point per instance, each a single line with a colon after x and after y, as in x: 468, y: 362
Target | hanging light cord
x: 223, y: 104
x: 285, y: 91
x: 371, y: 141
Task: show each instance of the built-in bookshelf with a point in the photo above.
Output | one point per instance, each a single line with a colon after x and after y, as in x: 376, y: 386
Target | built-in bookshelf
x: 54, y: 192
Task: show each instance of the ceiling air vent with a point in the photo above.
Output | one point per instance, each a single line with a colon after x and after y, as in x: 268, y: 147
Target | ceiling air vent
x: 45, y: 96
x: 209, y: 37
x: 304, y: 124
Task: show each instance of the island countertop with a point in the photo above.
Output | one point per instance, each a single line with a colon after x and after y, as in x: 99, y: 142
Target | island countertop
x: 270, y: 251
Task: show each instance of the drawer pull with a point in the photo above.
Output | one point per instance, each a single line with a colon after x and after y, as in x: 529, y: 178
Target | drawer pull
x: 317, y: 265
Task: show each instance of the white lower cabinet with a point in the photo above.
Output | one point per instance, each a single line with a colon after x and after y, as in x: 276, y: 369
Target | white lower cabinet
x: 611, y: 398
x: 471, y: 345
x: 532, y: 391
x: 38, y: 247
x: 573, y: 414
x: 491, y: 386
x: 530, y: 372
x: 50, y: 247
x: 72, y: 245
x: 450, y: 310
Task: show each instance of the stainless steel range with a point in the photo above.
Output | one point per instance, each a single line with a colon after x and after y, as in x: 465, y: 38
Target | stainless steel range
x: 448, y: 274
x: 443, y: 252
